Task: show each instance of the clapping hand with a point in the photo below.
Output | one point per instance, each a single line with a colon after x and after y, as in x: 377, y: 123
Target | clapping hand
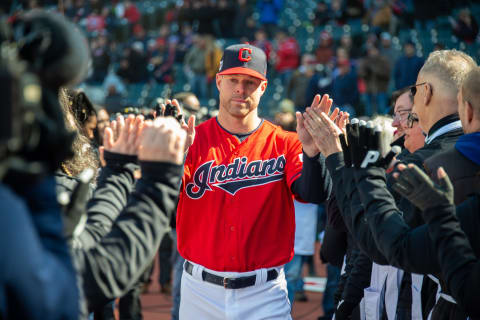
x: 162, y: 140
x: 123, y: 135
x: 325, y: 130
x: 319, y: 104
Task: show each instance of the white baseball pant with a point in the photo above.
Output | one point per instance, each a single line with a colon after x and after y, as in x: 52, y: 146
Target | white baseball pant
x: 201, y: 300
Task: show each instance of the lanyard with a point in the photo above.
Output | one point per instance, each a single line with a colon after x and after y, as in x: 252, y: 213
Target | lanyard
x: 446, y: 128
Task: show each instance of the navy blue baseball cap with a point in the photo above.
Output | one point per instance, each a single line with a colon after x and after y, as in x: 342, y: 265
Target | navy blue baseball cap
x: 244, y: 59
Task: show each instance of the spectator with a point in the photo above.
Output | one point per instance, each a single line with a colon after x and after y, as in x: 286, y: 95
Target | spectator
x: 269, y: 11
x: 95, y: 21
x: 354, y: 51
x: 320, y: 83
x: 202, y: 15
x: 114, y: 101
x: 112, y: 79
x: 285, y: 117
x: 262, y: 42
x: 133, y: 67
x: 103, y: 120
x: 375, y: 70
x: 162, y: 60
x: 387, y: 50
x: 131, y: 13
x: 338, y: 11
x: 414, y: 137
x: 380, y: 14
x: 213, y: 55
x: 100, y: 59
x: 322, y: 13
x: 226, y: 14
x: 298, y: 84
x: 403, y: 103
x: 242, y: 12
x: 185, y: 42
x: 344, y: 88
x: 286, y: 56
x: 82, y: 10
x: 354, y: 11
x: 324, y: 52
x: 465, y: 27
x: 407, y: 67
x: 195, y: 68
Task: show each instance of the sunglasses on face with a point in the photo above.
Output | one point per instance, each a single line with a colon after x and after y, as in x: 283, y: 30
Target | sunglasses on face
x: 413, y: 89
x: 411, y: 119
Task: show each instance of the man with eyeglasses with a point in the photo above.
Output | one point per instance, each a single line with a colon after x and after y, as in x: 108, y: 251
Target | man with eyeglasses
x: 435, y: 105
x: 403, y: 103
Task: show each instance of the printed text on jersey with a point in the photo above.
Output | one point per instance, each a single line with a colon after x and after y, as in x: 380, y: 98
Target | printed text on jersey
x: 235, y: 176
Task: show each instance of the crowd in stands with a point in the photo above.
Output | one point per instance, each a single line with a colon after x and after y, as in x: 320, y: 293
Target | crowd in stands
x: 142, y: 49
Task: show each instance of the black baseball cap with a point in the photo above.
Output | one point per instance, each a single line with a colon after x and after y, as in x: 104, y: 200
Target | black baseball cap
x: 244, y: 59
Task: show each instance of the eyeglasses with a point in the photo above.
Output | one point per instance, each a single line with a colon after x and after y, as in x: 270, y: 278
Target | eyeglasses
x: 413, y: 89
x: 400, y: 115
x: 411, y: 119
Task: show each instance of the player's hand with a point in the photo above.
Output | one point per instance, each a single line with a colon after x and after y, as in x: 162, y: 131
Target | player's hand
x: 305, y: 138
x: 162, y: 140
x: 123, y: 135
x: 413, y: 184
x: 324, y: 131
x: 189, y: 127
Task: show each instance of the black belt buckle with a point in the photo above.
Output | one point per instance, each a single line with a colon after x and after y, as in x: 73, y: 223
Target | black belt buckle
x: 225, y: 283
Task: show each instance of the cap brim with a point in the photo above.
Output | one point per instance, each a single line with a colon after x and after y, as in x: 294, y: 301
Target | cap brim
x: 242, y: 70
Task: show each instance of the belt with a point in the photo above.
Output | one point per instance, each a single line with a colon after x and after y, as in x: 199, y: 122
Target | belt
x: 230, y: 283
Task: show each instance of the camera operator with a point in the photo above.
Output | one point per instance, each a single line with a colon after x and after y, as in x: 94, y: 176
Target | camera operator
x: 37, y: 278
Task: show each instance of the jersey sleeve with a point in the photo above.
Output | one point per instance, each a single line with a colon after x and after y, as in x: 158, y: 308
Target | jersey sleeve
x: 294, y: 157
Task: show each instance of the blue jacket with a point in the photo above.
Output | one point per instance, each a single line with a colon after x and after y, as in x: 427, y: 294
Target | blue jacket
x: 269, y: 10
x: 37, y: 278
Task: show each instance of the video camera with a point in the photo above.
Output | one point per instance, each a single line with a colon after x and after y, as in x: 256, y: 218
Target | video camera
x: 39, y: 53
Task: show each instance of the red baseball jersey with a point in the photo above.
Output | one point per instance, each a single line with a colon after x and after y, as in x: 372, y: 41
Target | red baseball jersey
x: 235, y: 211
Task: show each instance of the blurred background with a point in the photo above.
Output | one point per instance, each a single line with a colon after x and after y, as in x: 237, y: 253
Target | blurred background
x: 358, y: 51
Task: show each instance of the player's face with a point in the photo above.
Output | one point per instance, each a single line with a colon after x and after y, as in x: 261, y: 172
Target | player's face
x: 240, y: 94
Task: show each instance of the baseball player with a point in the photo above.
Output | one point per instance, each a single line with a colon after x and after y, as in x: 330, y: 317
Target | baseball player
x: 235, y: 217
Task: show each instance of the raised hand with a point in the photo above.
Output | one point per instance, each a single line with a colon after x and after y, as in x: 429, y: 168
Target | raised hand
x: 412, y: 183
x: 323, y: 131
x: 319, y: 104
x: 341, y: 121
x: 162, y: 140
x: 189, y: 127
x: 123, y: 135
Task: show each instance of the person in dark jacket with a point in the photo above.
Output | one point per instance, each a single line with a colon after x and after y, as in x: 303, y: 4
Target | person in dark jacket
x: 109, y: 257
x: 457, y: 251
x: 37, y: 281
x: 443, y: 128
x: 37, y: 277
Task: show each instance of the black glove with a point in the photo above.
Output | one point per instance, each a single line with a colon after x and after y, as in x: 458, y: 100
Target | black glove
x: 364, y: 143
x: 420, y: 190
x: 344, y: 310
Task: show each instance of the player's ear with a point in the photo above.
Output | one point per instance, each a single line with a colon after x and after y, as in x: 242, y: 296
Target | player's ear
x: 263, y: 86
x: 218, y: 79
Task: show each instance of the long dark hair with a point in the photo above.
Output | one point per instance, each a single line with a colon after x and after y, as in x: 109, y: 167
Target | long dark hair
x: 74, y: 111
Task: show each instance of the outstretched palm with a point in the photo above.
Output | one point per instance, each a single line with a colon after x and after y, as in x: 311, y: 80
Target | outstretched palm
x: 321, y: 104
